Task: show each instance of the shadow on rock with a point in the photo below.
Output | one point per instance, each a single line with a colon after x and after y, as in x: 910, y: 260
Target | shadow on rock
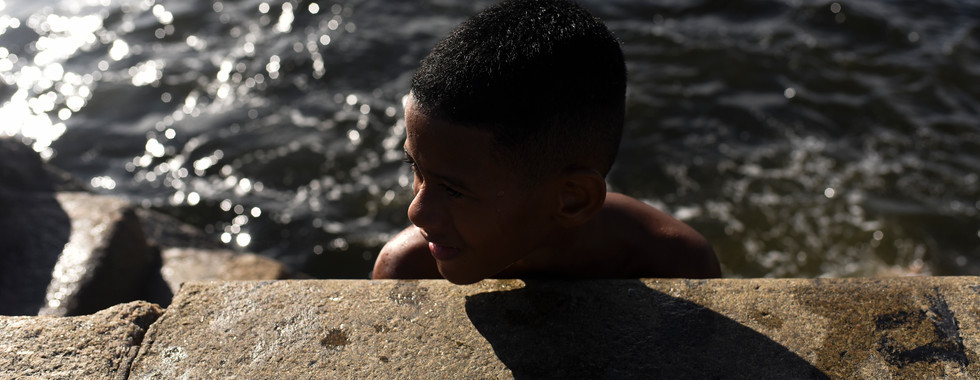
x: 32, y: 233
x: 622, y: 329
x: 156, y: 289
x: 34, y: 228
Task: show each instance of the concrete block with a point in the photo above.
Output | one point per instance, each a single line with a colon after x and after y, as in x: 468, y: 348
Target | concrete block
x: 98, y: 346
x: 761, y: 328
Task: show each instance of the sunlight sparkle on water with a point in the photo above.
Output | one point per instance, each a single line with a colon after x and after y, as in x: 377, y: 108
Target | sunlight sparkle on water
x: 162, y: 15
x: 62, y: 36
x: 243, y: 239
x: 46, y: 92
x: 155, y: 148
x: 119, y: 50
x: 146, y: 73
x: 103, y: 182
x: 198, y: 44
x: 193, y: 198
x: 285, y: 23
x: 273, y: 67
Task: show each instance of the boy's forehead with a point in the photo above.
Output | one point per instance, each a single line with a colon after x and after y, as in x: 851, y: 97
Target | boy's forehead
x: 419, y: 124
x: 434, y: 134
x: 462, y: 151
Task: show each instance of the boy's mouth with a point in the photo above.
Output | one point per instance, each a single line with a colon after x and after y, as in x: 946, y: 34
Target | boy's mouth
x: 443, y: 252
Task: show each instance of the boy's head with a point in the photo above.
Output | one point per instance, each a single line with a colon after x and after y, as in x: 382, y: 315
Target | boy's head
x: 513, y: 121
x: 544, y: 77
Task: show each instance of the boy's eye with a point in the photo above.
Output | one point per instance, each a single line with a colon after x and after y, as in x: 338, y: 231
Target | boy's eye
x: 449, y: 191
x: 411, y: 163
x: 452, y: 193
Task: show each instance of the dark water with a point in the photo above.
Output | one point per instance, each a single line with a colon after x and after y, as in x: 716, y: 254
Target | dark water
x: 803, y: 138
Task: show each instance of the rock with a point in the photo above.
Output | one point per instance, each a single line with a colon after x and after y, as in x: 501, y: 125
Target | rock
x: 62, y: 253
x: 322, y: 329
x: 22, y: 171
x: 922, y: 327
x: 98, y: 346
x: 33, y: 229
x: 190, y: 264
x: 106, y: 260
x: 68, y: 252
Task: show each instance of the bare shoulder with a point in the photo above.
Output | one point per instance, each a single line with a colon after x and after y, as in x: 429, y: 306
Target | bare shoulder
x: 405, y: 256
x: 665, y: 246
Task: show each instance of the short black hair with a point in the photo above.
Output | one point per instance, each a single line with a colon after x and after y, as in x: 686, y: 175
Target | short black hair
x: 545, y: 77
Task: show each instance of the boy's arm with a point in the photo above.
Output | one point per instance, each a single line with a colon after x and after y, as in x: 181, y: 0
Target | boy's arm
x: 405, y: 256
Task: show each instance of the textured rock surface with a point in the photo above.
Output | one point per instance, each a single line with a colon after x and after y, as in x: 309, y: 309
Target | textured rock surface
x: 861, y: 328
x: 98, y: 346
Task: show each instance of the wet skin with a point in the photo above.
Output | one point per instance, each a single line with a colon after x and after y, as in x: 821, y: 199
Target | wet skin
x: 474, y: 218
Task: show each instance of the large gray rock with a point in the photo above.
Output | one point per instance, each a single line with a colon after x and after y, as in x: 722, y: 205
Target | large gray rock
x: 861, y: 328
x: 33, y: 229
x: 70, y: 252
x: 23, y: 171
x: 106, y: 261
x: 63, y: 253
x: 99, y: 346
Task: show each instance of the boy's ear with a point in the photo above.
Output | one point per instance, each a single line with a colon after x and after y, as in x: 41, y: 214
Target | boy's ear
x: 582, y: 193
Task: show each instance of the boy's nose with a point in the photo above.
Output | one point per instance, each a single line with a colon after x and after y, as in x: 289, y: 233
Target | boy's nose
x: 426, y: 211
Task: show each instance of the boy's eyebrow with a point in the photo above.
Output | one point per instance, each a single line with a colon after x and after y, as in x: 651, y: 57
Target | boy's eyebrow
x: 455, y: 182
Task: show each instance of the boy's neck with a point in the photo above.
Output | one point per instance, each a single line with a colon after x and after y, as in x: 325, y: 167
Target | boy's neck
x: 571, y: 253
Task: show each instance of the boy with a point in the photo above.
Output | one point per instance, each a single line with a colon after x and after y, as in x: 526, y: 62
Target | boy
x: 513, y: 121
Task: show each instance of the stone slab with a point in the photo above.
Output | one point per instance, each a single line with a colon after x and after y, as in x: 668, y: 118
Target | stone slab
x: 731, y: 328
x: 98, y: 346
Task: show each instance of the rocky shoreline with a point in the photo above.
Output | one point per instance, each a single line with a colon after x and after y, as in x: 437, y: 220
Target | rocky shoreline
x: 902, y: 328
x: 67, y: 251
